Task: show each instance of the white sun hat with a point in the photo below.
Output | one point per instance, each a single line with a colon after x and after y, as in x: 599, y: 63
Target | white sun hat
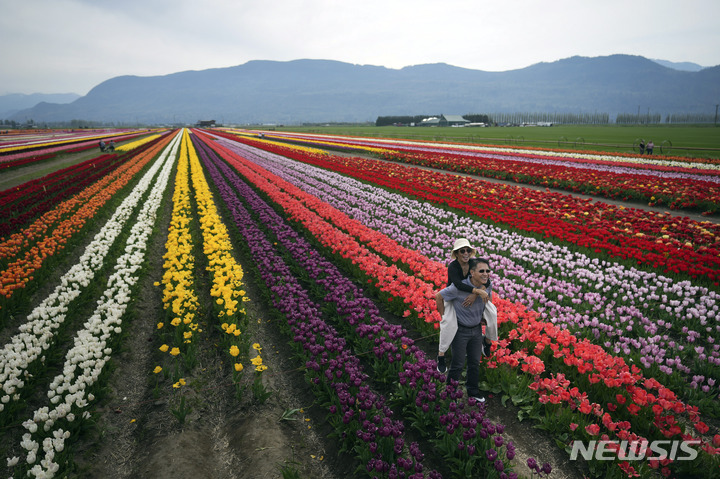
x: 459, y: 244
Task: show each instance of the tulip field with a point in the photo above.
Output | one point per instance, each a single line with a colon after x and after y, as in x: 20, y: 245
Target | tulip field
x: 202, y: 264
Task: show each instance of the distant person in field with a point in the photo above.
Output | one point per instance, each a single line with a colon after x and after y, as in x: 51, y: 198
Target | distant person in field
x: 649, y: 148
x: 102, y: 145
x: 111, y: 146
x: 642, y: 146
x: 469, y: 341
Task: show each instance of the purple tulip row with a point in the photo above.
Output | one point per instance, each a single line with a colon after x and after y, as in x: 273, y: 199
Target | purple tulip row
x: 397, y: 359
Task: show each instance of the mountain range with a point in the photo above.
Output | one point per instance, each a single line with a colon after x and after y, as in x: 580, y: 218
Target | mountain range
x: 682, y: 66
x: 15, y: 102
x: 302, y: 91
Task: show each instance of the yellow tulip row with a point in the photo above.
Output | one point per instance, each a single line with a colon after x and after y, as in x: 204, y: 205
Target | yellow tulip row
x: 179, y: 298
x: 225, y: 272
x: 136, y: 143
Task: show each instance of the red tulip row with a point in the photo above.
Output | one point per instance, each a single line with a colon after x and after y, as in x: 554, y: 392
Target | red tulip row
x: 677, y: 193
x: 26, y: 161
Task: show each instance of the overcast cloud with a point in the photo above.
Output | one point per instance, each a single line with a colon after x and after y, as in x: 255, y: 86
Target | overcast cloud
x: 63, y: 46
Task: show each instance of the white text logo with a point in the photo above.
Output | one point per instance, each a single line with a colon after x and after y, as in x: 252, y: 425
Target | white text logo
x: 635, y: 450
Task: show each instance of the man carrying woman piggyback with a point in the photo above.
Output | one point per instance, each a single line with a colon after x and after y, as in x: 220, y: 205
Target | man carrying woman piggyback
x: 462, y: 315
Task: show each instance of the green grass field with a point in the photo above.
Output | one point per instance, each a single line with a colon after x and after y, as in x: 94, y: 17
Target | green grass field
x: 690, y: 141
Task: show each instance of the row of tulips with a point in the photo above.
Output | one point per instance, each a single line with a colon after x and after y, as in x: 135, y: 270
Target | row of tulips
x: 28, y: 201
x: 25, y: 252
x: 135, y: 144
x: 36, y: 158
x: 595, y: 227
x: 24, y: 353
x: 71, y: 392
x: 180, y: 299
x: 573, y: 290
x: 472, y: 438
x: 610, y: 373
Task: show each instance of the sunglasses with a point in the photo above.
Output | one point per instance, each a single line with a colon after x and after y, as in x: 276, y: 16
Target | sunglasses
x: 464, y: 251
x: 483, y: 271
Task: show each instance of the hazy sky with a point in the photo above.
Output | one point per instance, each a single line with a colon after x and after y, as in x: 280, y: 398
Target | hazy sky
x: 63, y: 46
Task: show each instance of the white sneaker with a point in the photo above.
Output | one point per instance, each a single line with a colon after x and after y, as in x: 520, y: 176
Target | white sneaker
x: 478, y: 399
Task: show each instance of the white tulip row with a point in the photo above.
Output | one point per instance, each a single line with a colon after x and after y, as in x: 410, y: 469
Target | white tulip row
x: 36, y: 335
x: 84, y: 362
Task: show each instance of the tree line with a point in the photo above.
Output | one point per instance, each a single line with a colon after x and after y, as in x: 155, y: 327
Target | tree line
x: 505, y: 118
x: 518, y: 118
x: 546, y: 117
x: 692, y: 118
x: 635, y: 119
x: 401, y: 120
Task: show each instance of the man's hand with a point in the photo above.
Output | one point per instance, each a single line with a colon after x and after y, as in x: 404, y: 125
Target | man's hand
x: 440, y: 303
x: 469, y: 300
